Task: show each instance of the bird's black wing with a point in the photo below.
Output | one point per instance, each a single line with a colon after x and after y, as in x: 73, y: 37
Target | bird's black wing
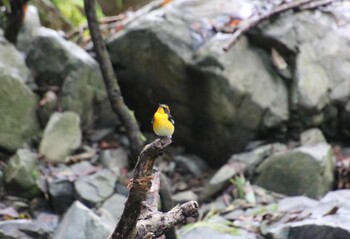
x: 171, y: 119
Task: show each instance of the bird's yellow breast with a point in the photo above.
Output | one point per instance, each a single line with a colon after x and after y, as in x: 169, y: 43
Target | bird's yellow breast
x: 161, y: 125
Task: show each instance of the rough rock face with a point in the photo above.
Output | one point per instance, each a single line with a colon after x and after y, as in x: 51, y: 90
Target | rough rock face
x: 319, y: 48
x: 57, y: 62
x: 211, y: 94
x: 18, y: 121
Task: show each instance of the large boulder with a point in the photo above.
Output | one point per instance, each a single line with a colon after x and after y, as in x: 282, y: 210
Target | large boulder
x: 211, y: 94
x: 18, y: 120
x: 316, y: 48
x: 57, y: 62
x: 61, y: 136
x: 307, y: 170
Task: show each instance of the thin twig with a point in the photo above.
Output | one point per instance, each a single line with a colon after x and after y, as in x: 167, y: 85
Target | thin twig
x: 114, y: 93
x: 251, y: 22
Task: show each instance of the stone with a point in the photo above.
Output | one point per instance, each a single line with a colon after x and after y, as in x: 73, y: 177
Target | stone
x: 23, y: 229
x: 254, y: 157
x: 312, y: 136
x: 80, y: 222
x: 213, y: 228
x: 197, y: 80
x: 30, y: 25
x: 325, y: 219
x: 48, y: 221
x: 18, y: 104
x: 191, y: 163
x: 61, y: 194
x: 97, y: 187
x: 22, y: 173
x: 12, y: 63
x: 312, y: 83
x: 115, y: 159
x: 296, y: 203
x: 61, y: 136
x: 57, y: 62
x: 219, y: 181
x: 307, y: 170
x: 83, y: 168
x: 184, y: 196
x: 114, y: 206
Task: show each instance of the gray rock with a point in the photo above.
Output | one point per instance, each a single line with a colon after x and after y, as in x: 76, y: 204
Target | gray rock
x: 197, y: 80
x: 320, y: 221
x: 61, y: 136
x: 220, y: 180
x: 192, y: 163
x: 48, y: 221
x: 213, y: 228
x: 306, y: 171
x: 224, y: 173
x: 115, y: 159
x: 96, y: 187
x: 83, y: 168
x: 312, y: 136
x: 312, y: 83
x: 184, y: 196
x: 22, y: 229
x: 253, y: 158
x: 55, y: 61
x: 79, y: 222
x: 22, y: 173
x: 114, y: 206
x: 12, y: 63
x: 30, y: 25
x: 296, y: 203
x: 321, y: 50
x: 18, y: 123
x: 61, y: 192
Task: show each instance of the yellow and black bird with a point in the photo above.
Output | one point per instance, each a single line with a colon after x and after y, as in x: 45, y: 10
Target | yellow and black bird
x: 163, y: 122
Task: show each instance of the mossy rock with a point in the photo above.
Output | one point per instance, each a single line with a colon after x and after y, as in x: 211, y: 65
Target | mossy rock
x: 304, y: 171
x: 22, y: 173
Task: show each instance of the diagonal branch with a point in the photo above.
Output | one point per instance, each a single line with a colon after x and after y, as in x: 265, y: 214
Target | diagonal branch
x: 114, y: 94
x: 254, y: 20
x: 141, y: 218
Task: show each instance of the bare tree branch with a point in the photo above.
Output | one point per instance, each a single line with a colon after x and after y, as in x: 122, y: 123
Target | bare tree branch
x: 141, y: 218
x: 251, y: 22
x: 14, y: 19
x: 111, y: 82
